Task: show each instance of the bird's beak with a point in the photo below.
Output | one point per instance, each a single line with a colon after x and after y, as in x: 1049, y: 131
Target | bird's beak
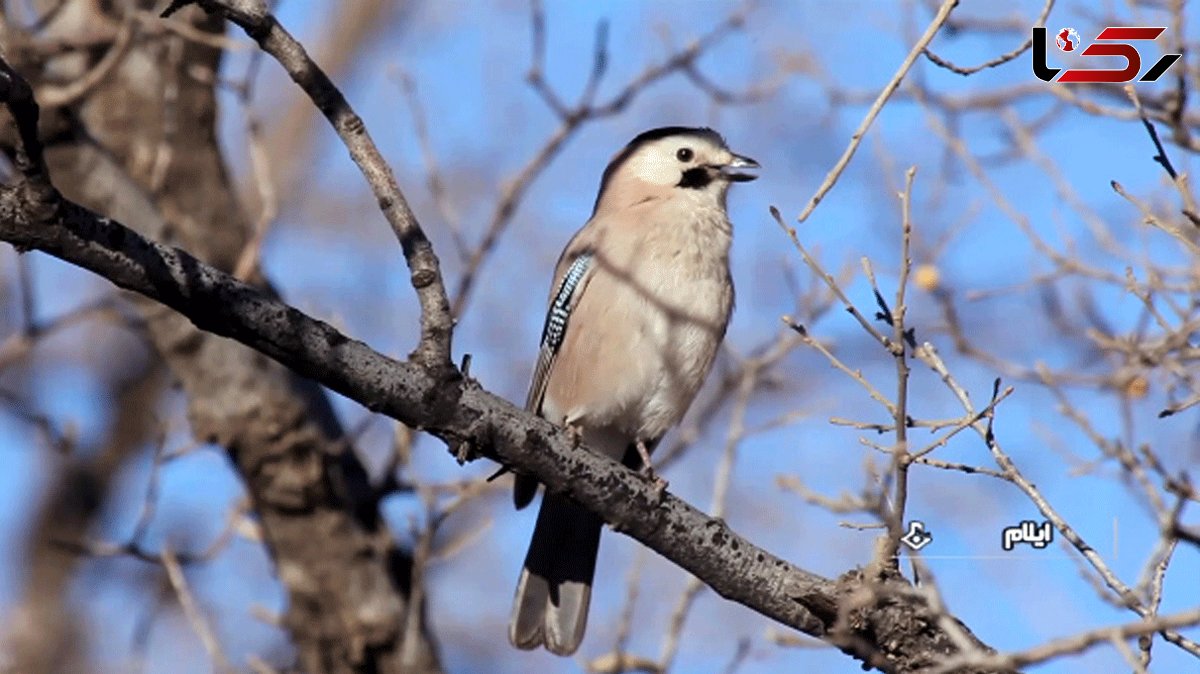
x: 731, y: 171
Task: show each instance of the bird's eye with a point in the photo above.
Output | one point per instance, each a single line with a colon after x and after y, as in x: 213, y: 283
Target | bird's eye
x: 684, y: 154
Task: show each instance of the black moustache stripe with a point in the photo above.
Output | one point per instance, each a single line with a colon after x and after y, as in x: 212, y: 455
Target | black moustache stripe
x: 696, y: 178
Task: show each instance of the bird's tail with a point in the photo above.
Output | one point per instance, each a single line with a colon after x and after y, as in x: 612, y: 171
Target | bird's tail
x: 555, y: 588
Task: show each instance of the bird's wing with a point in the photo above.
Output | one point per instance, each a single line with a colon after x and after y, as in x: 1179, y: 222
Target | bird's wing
x: 574, y: 272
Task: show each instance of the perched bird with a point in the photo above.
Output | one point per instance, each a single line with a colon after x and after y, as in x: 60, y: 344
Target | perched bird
x: 639, y: 305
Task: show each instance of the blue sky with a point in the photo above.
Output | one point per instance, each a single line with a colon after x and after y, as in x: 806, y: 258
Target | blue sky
x: 332, y: 255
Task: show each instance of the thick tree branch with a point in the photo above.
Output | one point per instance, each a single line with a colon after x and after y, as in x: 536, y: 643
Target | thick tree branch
x: 437, y: 323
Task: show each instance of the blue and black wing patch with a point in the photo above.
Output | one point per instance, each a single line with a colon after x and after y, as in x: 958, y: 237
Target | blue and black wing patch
x: 555, y: 330
x: 560, y: 307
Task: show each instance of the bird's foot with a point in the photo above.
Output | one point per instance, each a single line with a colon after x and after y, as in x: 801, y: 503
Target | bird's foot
x: 660, y: 488
x: 647, y: 471
x: 575, y: 433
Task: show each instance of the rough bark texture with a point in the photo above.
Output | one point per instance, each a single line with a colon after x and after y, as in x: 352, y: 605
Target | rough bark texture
x: 142, y: 147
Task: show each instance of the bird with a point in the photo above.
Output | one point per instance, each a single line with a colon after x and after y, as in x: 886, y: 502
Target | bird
x: 640, y: 302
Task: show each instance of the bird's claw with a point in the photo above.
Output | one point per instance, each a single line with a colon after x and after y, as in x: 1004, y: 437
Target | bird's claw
x: 575, y: 433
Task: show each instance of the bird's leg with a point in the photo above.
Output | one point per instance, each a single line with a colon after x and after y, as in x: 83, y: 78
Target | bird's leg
x: 660, y: 485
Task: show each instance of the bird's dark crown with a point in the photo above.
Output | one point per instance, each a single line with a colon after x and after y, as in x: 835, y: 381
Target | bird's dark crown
x: 668, y: 131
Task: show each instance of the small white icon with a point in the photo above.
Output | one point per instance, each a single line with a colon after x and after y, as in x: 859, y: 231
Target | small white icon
x: 917, y: 537
x: 1039, y: 536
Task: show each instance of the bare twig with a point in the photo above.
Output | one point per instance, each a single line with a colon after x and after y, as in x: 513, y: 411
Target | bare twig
x: 1069, y: 645
x: 901, y: 337
x: 998, y: 60
x: 939, y: 19
x: 190, y: 609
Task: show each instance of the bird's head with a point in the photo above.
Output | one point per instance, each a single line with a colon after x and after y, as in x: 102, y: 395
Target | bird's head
x: 695, y: 160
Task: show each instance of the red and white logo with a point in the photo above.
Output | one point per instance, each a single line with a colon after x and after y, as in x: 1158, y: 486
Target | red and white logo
x: 1112, y: 41
x: 1067, y: 39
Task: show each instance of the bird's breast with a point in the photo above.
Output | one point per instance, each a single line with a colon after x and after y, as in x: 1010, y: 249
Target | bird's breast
x: 683, y: 294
